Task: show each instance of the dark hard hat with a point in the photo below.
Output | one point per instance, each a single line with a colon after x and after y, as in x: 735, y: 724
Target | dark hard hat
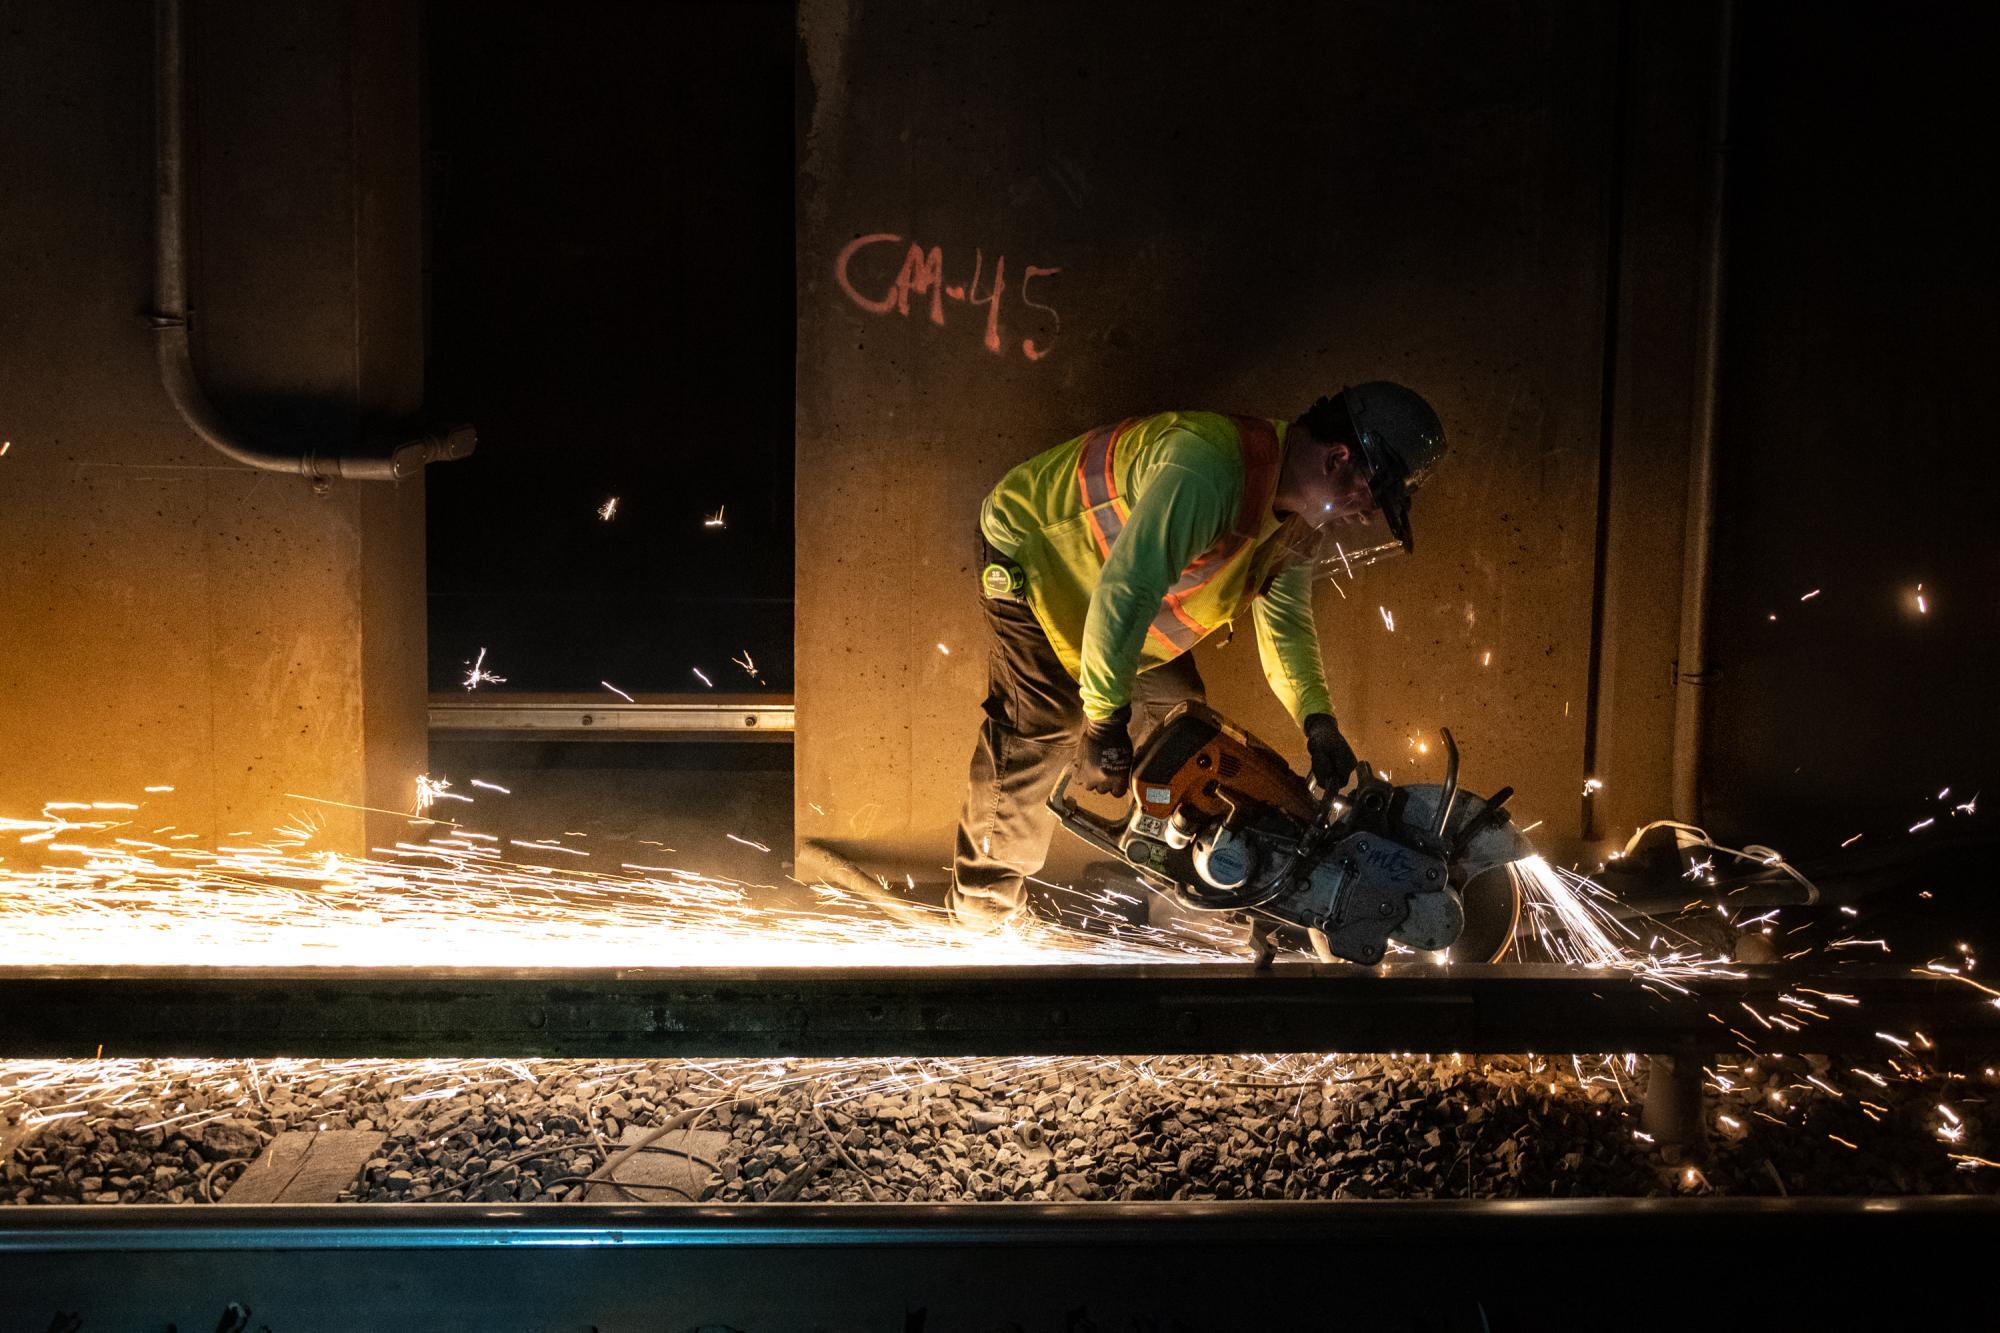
x: 1401, y: 441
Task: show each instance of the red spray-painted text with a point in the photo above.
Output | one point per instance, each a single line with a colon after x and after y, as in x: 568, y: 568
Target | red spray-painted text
x: 923, y: 274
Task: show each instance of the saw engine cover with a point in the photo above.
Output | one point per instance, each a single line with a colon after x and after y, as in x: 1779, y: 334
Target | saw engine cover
x: 1219, y: 819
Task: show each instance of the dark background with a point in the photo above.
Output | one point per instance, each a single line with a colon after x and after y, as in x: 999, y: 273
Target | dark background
x: 611, y: 302
x: 1856, y: 445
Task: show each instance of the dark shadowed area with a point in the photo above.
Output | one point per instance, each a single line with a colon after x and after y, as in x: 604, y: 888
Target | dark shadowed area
x: 612, y: 302
x: 1857, y: 457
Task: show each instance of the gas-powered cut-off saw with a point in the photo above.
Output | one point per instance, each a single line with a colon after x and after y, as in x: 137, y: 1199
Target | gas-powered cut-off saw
x: 1221, y: 821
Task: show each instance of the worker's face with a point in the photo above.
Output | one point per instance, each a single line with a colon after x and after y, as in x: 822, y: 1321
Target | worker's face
x: 1336, y: 489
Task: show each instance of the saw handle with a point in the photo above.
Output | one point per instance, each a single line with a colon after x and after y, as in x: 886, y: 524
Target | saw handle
x: 1099, y: 832
x: 1450, y: 797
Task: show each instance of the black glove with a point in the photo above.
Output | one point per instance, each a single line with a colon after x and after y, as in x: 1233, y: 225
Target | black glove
x: 1332, y: 756
x: 1104, y: 754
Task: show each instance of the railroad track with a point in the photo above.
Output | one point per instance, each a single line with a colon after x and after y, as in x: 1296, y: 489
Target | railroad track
x: 1209, y: 1009
x: 1192, y: 1265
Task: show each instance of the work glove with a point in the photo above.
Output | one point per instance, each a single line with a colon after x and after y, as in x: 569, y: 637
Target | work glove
x: 1332, y: 756
x: 1104, y: 754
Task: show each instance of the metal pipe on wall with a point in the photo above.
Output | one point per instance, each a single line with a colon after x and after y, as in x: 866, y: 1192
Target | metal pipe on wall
x: 1691, y: 665
x: 170, y: 304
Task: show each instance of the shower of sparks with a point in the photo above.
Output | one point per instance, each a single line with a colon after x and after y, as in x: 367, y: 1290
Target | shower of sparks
x: 113, y: 895
x: 1592, y: 786
x: 715, y: 520
x: 158, y: 789
x: 477, y: 674
x: 114, y: 891
x: 1388, y: 620
x: 1809, y: 596
x: 748, y: 664
x: 615, y: 690
x: 1486, y: 658
x: 1570, y: 917
x: 608, y: 510
x: 704, y: 679
x: 432, y: 790
x: 492, y: 786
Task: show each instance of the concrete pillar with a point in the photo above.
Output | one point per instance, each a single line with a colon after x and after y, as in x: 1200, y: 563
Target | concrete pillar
x: 166, y: 617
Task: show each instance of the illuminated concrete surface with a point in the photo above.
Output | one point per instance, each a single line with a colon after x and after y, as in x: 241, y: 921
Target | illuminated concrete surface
x: 170, y: 618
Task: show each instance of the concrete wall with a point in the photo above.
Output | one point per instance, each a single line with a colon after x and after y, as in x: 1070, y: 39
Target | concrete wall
x: 1246, y: 209
x: 167, y: 617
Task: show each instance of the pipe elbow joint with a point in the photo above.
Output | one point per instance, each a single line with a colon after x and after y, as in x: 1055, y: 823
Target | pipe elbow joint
x: 442, y: 445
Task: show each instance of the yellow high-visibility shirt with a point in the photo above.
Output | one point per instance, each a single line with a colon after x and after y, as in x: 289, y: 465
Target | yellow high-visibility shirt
x: 1139, y: 540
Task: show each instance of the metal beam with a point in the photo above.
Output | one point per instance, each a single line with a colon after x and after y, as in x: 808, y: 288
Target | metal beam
x: 998, y: 1011
x: 139, y: 1228
x: 607, y: 717
x: 952, y: 1266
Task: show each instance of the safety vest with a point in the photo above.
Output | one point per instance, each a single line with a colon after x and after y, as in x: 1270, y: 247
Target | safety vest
x: 1058, y: 514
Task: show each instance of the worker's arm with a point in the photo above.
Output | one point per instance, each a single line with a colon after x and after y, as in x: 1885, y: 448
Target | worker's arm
x: 1288, y: 644
x: 1179, y: 514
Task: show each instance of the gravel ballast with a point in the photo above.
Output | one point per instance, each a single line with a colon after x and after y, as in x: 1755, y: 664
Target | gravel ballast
x: 988, y: 1130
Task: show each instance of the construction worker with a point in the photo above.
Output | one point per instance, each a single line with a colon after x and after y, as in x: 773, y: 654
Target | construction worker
x: 1111, y: 555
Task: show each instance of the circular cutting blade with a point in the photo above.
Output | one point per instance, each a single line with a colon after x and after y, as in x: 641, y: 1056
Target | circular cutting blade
x: 1492, y: 901
x: 1488, y: 889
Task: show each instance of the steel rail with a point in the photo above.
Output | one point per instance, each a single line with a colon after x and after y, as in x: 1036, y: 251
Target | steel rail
x: 170, y: 1227
x: 972, y: 1011
x: 1485, y: 1264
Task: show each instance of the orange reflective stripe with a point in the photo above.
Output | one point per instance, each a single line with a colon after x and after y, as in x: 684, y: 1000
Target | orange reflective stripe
x: 1257, y: 444
x: 1257, y: 441
x: 1098, y: 482
x: 1174, y: 623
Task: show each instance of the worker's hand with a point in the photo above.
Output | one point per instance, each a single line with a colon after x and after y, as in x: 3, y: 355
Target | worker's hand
x: 1104, y: 754
x: 1332, y: 756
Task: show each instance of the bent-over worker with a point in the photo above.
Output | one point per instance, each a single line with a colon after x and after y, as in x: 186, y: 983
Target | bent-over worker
x: 1108, y: 557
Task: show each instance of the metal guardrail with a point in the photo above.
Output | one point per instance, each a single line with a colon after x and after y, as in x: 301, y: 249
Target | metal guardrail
x: 607, y: 717
x: 1205, y: 1009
